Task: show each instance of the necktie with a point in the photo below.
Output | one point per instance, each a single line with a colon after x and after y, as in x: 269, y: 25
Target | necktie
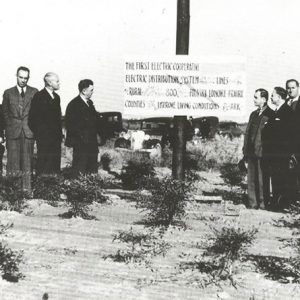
x: 90, y: 103
x: 22, y: 93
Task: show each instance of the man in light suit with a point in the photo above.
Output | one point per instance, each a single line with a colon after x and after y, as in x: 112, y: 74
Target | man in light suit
x: 82, y: 124
x: 258, y: 179
x: 46, y: 124
x: 19, y: 138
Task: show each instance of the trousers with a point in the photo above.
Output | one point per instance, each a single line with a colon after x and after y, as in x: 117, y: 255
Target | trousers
x: 19, y: 159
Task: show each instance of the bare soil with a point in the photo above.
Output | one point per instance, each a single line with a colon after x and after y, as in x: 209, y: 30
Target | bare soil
x: 64, y: 257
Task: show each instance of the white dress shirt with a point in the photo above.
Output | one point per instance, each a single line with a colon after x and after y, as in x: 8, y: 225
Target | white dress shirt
x: 50, y: 92
x: 20, y: 89
x: 85, y: 100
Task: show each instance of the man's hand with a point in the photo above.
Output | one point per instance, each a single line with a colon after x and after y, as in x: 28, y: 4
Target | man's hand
x: 293, y: 162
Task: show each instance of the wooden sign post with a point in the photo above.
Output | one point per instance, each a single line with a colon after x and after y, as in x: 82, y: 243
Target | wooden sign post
x: 182, y: 48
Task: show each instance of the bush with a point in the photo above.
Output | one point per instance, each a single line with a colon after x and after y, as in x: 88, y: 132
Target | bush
x: 67, y: 172
x: 284, y: 270
x: 81, y: 192
x: 105, y: 161
x: 233, y: 176
x: 236, y: 179
x: 135, y: 173
x: 12, y: 196
x: 292, y: 218
x: 230, y: 241
x: 166, y: 201
x: 48, y: 187
x: 289, y: 268
x: 224, y: 250
x: 212, y: 154
x: 117, y: 158
x: 141, y: 246
x: 9, y: 259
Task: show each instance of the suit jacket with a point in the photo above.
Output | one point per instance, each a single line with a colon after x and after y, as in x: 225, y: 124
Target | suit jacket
x: 2, y: 124
x: 16, y: 110
x: 45, y: 117
x: 277, y: 135
x: 81, y: 124
x: 253, y: 137
x: 296, y: 127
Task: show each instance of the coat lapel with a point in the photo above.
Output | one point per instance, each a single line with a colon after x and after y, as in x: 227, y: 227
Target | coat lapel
x: 27, y: 97
x: 84, y: 106
x: 16, y: 100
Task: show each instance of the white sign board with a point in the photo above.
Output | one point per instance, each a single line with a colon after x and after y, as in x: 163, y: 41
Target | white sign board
x: 185, y: 86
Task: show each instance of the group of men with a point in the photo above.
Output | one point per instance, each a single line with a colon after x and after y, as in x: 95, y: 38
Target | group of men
x: 30, y: 115
x: 272, y: 148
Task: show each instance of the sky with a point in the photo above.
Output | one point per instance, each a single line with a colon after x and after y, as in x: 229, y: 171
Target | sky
x: 90, y: 39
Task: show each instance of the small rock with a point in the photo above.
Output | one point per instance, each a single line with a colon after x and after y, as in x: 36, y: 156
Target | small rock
x: 223, y: 295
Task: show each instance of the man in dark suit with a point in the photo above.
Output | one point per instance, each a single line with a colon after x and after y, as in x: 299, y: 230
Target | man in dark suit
x: 19, y: 138
x: 82, y: 128
x: 278, y: 149
x: 257, y: 178
x: 45, y: 123
x: 292, y: 87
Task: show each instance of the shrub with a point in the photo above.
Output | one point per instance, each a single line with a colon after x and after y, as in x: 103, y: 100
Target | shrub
x: 135, y: 172
x: 141, y: 246
x: 236, y: 179
x: 12, y: 196
x: 289, y: 268
x: 9, y: 259
x: 292, y: 218
x: 48, y: 187
x: 105, y: 161
x: 117, y: 158
x: 81, y: 192
x: 166, y: 157
x: 233, y: 176
x: 166, y: 201
x: 212, y: 154
x: 67, y: 172
x: 281, y: 269
x: 224, y: 249
x: 230, y: 241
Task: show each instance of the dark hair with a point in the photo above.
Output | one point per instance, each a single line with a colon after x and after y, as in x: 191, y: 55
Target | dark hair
x: 85, y: 83
x: 263, y: 93
x: 281, y: 92
x: 23, y: 69
x: 291, y: 80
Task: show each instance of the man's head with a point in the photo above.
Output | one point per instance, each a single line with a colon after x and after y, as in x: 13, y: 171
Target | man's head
x: 292, y: 87
x: 278, y: 96
x: 52, y: 81
x: 22, y: 76
x: 86, y: 88
x: 261, y: 97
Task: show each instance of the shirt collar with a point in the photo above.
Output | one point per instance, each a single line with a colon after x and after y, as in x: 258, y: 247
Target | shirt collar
x: 293, y: 99
x: 85, y: 100
x: 262, y: 109
x: 278, y: 107
x: 20, y: 89
x: 50, y: 92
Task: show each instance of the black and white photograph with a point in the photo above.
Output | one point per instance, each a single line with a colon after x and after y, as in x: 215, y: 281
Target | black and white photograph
x: 150, y: 149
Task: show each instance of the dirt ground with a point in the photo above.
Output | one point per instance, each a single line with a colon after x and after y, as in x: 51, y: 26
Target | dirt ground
x: 64, y: 258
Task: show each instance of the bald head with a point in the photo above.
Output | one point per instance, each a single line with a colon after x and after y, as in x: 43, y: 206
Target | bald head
x: 51, y: 81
